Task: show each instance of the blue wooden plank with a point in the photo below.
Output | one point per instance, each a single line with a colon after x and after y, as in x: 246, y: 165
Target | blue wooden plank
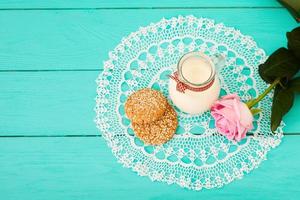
x: 47, y: 103
x: 134, y: 4
x: 61, y: 103
x: 84, y: 168
x: 81, y: 39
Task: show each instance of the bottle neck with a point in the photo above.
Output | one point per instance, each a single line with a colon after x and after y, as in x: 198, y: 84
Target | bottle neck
x: 203, y: 83
x: 181, y: 86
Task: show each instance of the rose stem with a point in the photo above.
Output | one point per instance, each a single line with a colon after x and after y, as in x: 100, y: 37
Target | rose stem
x: 252, y: 103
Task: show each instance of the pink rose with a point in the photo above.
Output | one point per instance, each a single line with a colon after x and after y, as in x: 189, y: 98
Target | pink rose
x: 233, y: 117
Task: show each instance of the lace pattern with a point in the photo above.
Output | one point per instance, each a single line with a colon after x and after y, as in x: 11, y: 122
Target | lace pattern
x: 198, y: 156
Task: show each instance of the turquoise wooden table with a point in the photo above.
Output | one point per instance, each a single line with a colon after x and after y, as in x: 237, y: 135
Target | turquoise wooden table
x: 50, y: 55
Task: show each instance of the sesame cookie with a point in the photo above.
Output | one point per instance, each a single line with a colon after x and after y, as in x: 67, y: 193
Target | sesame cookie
x: 145, y: 106
x: 160, y: 131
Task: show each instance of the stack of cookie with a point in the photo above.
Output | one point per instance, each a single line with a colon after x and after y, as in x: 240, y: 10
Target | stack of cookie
x: 153, y: 119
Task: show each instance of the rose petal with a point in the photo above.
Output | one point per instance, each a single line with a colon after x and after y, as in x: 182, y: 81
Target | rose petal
x: 236, y: 107
x: 217, y: 116
x: 217, y: 106
x: 231, y: 96
x: 224, y: 103
x: 241, y: 132
x: 221, y: 124
x: 230, y: 135
x: 246, y: 118
x: 229, y: 114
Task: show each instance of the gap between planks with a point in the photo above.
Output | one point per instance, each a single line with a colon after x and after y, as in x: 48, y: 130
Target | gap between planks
x: 55, y: 136
x: 148, y: 8
x: 51, y: 70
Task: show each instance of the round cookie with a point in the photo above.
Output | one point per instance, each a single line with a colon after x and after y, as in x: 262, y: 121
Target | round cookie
x: 160, y: 131
x: 145, y: 106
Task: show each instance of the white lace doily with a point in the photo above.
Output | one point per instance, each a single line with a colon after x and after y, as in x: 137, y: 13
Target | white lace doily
x: 197, y: 157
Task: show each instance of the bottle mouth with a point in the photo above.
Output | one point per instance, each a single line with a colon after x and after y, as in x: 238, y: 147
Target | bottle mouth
x: 201, y: 56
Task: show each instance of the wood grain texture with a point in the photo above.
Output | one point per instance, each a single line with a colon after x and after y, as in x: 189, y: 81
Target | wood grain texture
x: 60, y: 45
x: 81, y: 39
x: 61, y: 103
x: 21, y: 4
x: 84, y: 168
x: 47, y: 103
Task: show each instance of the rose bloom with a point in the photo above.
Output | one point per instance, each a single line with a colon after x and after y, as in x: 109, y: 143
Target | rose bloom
x: 233, y: 118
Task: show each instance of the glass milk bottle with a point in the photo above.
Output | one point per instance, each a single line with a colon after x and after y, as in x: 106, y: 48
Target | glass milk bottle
x: 195, y: 86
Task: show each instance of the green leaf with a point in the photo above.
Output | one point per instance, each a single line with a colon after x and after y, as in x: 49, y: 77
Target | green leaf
x: 255, y: 111
x: 281, y: 64
x: 282, y: 102
x: 294, y: 41
x: 294, y: 85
